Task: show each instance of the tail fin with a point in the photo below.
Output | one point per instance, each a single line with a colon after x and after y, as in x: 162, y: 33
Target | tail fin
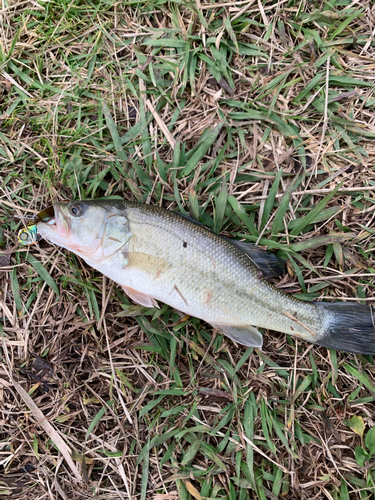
x: 352, y: 328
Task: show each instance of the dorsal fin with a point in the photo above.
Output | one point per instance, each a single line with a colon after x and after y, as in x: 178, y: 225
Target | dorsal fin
x: 268, y: 263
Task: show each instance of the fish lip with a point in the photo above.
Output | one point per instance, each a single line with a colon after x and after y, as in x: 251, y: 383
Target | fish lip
x: 56, y: 217
x: 46, y: 215
x: 57, y: 228
x: 54, y: 222
x: 61, y: 222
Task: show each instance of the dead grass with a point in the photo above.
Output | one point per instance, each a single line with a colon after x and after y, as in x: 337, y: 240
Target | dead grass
x: 160, y: 102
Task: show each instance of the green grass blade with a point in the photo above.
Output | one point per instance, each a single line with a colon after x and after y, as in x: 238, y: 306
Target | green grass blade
x: 114, y: 132
x: 220, y: 205
x: 16, y: 289
x: 305, y: 221
x: 270, y: 199
x: 206, y: 141
x: 43, y: 273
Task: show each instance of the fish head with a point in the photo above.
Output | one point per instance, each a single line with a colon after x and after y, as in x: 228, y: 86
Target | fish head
x: 90, y: 229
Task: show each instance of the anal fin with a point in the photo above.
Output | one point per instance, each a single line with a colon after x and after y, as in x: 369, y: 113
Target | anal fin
x: 140, y: 298
x: 245, y: 335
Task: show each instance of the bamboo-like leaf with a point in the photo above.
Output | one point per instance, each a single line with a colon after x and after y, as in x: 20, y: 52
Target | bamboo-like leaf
x: 43, y: 273
x: 305, y: 221
x: 97, y: 419
x: 114, y: 132
x: 278, y: 222
x: 268, y: 205
x: 207, y: 139
x: 165, y: 42
x: 220, y: 204
x: 16, y: 289
x: 191, y: 452
x: 319, y: 241
x: 145, y: 468
x: 193, y: 204
x: 242, y: 215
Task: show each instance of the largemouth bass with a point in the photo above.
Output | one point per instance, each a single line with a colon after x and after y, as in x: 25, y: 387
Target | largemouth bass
x: 159, y: 255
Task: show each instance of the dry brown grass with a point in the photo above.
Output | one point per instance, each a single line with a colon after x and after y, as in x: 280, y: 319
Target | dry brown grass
x: 152, y: 407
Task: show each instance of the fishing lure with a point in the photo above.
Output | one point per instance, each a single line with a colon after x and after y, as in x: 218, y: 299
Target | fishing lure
x: 28, y: 235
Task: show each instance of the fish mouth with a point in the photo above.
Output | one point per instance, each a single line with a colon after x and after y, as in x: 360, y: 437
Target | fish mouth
x: 52, y: 225
x: 47, y: 216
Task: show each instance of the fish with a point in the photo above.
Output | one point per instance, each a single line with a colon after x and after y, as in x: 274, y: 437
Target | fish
x: 158, y: 255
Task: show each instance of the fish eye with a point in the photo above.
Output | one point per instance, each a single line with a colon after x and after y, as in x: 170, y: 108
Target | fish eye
x: 76, y: 210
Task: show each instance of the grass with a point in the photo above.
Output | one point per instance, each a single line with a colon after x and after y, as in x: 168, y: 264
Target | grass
x: 255, y: 118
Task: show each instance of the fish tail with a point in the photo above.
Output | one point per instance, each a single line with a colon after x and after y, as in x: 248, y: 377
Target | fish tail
x: 351, y: 328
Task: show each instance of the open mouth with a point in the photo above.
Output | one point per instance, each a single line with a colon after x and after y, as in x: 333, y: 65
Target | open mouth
x: 47, y: 216
x: 29, y: 235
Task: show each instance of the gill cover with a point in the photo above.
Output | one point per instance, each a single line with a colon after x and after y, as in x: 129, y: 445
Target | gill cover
x: 97, y: 232
x: 89, y: 229
x: 116, y: 234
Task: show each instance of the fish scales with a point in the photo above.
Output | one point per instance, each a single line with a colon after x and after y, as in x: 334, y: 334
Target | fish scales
x: 159, y: 255
x: 217, y: 281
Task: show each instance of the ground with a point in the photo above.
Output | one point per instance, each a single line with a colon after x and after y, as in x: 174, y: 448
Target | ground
x: 256, y: 118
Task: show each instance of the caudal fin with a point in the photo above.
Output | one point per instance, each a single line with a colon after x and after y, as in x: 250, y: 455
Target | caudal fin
x: 352, y: 328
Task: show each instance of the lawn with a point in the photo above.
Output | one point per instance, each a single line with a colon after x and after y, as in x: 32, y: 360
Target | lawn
x: 254, y: 117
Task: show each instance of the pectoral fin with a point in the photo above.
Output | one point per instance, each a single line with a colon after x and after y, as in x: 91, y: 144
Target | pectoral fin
x: 140, y: 298
x: 245, y: 335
